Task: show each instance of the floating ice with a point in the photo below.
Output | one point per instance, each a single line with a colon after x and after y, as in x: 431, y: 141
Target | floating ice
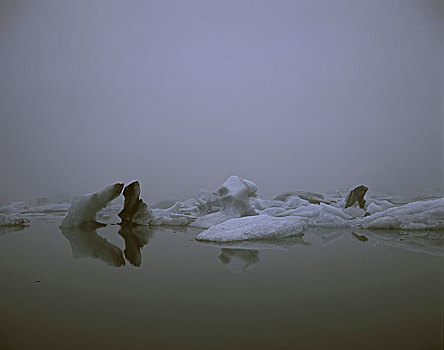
x: 24, y: 209
x: 253, y: 227
x: 84, y: 209
x: 234, y: 197
x: 421, y: 215
x: 134, y: 211
x: 11, y: 220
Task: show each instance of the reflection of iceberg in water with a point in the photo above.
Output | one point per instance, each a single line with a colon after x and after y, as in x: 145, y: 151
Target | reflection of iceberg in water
x: 427, y: 242
x: 135, y: 238
x: 86, y: 243
x: 238, y: 260
x: 239, y: 256
x: 9, y: 229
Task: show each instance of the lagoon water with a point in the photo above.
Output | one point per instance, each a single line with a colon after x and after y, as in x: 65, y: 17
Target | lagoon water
x: 330, y: 289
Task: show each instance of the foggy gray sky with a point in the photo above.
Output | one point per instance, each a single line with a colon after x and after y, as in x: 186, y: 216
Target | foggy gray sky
x: 312, y: 95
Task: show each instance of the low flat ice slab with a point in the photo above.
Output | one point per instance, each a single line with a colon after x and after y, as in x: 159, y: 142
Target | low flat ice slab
x: 421, y: 215
x: 253, y: 227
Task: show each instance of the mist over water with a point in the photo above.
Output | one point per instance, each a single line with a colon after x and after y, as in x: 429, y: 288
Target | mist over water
x: 312, y: 95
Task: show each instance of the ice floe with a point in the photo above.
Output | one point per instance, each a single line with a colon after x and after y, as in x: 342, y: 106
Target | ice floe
x: 421, y: 215
x: 253, y: 227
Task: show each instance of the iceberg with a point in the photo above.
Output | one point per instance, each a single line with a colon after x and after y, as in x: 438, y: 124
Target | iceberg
x: 134, y: 211
x: 420, y: 215
x: 84, y: 209
x: 234, y: 197
x: 253, y: 227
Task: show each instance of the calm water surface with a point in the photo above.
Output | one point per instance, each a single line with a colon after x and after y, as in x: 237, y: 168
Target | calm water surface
x: 160, y: 289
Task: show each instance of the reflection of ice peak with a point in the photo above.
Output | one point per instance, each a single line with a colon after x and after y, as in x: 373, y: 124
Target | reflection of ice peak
x: 135, y: 238
x: 238, y: 260
x: 87, y: 243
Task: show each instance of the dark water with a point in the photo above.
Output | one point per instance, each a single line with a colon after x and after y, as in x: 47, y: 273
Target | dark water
x: 332, y: 290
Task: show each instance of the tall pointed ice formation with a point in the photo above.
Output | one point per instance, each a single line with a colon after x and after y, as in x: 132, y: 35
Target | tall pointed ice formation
x: 134, y: 211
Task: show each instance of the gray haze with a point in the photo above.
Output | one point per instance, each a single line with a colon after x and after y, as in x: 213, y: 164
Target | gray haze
x: 312, y: 95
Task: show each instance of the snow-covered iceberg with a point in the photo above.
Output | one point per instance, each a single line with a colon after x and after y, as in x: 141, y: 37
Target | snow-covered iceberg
x: 234, y: 196
x: 84, y: 209
x: 277, y: 218
x: 421, y: 215
x: 253, y: 227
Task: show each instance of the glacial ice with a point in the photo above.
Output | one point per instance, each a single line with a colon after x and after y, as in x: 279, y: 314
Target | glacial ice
x: 234, y: 212
x: 84, y: 209
x: 234, y: 197
x: 27, y: 210
x: 421, y: 215
x: 135, y: 211
x: 253, y: 227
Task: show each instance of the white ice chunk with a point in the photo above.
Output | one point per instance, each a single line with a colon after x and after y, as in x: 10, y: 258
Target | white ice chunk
x: 376, y: 206
x: 234, y: 196
x: 419, y: 215
x: 84, y: 209
x: 253, y: 227
x: 354, y: 212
